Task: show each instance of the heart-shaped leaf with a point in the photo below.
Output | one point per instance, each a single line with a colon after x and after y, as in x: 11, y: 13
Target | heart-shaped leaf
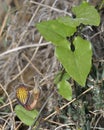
x: 55, y: 32
x: 77, y: 63
x: 86, y: 14
x: 65, y: 89
x: 27, y: 117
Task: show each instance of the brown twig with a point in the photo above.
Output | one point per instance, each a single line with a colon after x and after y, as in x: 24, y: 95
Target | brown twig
x: 69, y: 103
x: 36, y: 69
x: 8, y: 104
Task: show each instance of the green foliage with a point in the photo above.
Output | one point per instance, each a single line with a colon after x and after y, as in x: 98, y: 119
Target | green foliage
x: 83, y: 15
x: 65, y: 89
x: 77, y: 62
x: 56, y: 32
x: 86, y: 14
x: 27, y: 117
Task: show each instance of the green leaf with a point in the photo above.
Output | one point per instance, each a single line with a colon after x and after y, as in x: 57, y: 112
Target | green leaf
x: 77, y: 63
x: 86, y: 14
x: 65, y: 89
x: 55, y: 32
x: 27, y: 117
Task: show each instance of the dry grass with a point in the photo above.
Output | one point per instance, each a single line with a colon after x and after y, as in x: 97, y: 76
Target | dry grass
x: 25, y: 57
